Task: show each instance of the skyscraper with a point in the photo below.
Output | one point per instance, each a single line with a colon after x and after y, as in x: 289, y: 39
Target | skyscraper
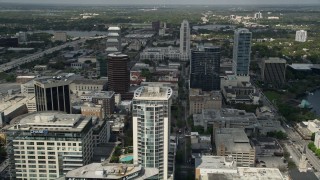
x: 52, y: 94
x: 185, y: 41
x: 205, y: 69
x: 151, y: 129
x: 241, y: 52
x: 273, y: 71
x: 118, y: 73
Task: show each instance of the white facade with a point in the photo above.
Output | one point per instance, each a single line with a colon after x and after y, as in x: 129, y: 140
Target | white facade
x: 47, y: 145
x: 160, y: 53
x: 185, y: 41
x: 301, y: 36
x: 151, y: 129
x: 258, y: 15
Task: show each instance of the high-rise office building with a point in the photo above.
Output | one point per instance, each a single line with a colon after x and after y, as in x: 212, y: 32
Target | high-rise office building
x: 46, y: 145
x: 301, y: 36
x: 185, y: 41
x: 273, y: 71
x: 205, y: 69
x: 151, y: 129
x: 241, y: 52
x: 118, y: 73
x: 52, y: 94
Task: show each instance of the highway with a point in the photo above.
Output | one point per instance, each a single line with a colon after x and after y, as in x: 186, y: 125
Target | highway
x: 17, y: 62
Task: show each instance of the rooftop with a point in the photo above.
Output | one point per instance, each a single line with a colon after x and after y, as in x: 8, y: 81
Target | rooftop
x: 234, y: 139
x: 215, y: 162
x: 112, y: 171
x: 153, y: 93
x: 113, y: 28
x: 275, y: 60
x: 51, y: 120
x: 100, y: 94
x: 117, y: 54
x: 249, y: 173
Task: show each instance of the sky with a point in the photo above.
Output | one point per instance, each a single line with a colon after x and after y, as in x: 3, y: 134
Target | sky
x: 250, y: 2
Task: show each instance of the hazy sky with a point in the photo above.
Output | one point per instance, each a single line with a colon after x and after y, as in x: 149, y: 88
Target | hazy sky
x: 166, y: 1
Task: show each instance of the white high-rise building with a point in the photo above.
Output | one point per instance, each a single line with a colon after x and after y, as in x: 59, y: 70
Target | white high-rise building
x: 301, y: 36
x: 241, y: 52
x: 258, y: 15
x: 151, y: 129
x: 185, y: 41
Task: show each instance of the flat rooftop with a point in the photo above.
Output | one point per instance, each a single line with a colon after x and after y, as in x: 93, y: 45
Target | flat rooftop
x: 51, y: 120
x: 153, y: 93
x: 90, y: 81
x: 215, y: 162
x: 100, y: 94
x: 111, y: 171
x: 234, y: 139
x: 250, y: 173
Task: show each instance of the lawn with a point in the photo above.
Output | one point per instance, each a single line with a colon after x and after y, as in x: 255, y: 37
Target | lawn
x: 273, y: 95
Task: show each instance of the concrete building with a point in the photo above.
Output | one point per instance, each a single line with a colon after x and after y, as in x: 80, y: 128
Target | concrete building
x: 24, y: 79
x: 80, y: 86
x: 151, y: 129
x: 200, y: 100
x: 266, y: 146
x: 258, y: 15
x: 160, y: 53
x: 317, y: 139
x: 22, y: 37
x: 264, y: 112
x: 47, y: 145
x: 241, y: 52
x: 106, y: 171
x: 234, y: 142
x: 89, y: 109
x: 60, y: 36
x: 114, y: 39
x: 102, y: 66
x: 205, y: 69
x: 118, y: 73
x: 225, y: 118
x: 301, y: 36
x: 238, y: 89
x: 185, y: 38
x: 53, y: 94
x: 273, y: 71
x: 221, y: 167
x: 100, y: 132
x: 313, y: 125
x: 104, y: 98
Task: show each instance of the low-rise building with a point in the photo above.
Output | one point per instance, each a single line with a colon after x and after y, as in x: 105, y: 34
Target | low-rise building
x: 317, y: 139
x: 160, y: 53
x: 224, y: 168
x: 264, y: 112
x: 199, y: 100
x: 60, y: 36
x: 266, y: 146
x: 104, y: 98
x: 80, y: 86
x: 225, y: 118
x: 238, y: 89
x: 234, y: 142
x: 90, y: 109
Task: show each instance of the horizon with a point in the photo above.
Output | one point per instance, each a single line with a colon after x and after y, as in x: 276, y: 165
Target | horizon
x: 162, y: 2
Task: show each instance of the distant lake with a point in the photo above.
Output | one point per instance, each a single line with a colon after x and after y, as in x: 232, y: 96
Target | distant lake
x: 213, y: 27
x: 75, y: 33
x: 315, y: 101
